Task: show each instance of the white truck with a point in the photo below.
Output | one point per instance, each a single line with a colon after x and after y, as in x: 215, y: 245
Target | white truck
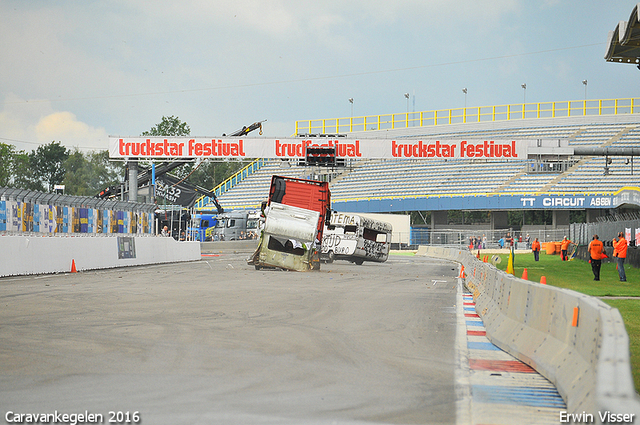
x: 236, y: 225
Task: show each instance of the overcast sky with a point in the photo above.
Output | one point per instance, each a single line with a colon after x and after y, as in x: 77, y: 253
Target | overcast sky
x: 78, y: 71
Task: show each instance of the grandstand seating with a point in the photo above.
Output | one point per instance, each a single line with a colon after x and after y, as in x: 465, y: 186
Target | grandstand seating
x: 250, y: 192
x: 419, y: 178
x: 628, y: 140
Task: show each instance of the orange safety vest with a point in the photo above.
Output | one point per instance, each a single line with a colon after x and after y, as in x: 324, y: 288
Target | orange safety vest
x: 565, y: 244
x: 595, y: 249
x: 620, y: 248
x: 535, y: 246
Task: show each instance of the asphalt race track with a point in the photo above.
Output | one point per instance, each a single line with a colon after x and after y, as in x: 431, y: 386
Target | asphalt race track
x: 217, y: 342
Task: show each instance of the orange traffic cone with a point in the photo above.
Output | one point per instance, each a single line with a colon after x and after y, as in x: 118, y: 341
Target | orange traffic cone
x: 543, y: 280
x: 525, y: 275
x: 73, y: 266
x: 461, y: 273
x: 485, y: 259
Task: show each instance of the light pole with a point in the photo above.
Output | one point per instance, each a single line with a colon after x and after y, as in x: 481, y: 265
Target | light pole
x: 464, y: 111
x: 406, y: 96
x: 585, y: 89
x: 351, y: 102
x: 524, y: 87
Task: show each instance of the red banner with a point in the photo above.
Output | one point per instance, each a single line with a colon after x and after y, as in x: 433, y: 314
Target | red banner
x: 233, y: 147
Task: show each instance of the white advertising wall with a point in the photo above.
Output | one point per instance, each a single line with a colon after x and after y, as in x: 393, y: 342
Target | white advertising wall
x: 24, y: 255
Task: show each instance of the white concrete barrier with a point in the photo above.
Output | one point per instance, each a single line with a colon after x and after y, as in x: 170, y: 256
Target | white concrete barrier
x: 576, y: 341
x: 23, y: 255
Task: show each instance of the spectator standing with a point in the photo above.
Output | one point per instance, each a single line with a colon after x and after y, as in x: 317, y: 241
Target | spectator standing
x: 509, y: 240
x: 620, y: 252
x: 595, y: 252
x: 165, y: 231
x: 535, y: 248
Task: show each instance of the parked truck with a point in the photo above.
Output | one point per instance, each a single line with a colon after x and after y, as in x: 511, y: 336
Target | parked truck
x: 295, y: 215
x: 236, y: 225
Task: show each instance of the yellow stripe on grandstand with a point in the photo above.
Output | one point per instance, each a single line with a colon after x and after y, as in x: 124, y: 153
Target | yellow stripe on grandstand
x: 617, y: 192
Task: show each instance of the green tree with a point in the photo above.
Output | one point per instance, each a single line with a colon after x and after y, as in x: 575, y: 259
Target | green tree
x: 47, y: 162
x: 77, y: 177
x: 211, y: 173
x: 104, y: 172
x: 169, y: 126
x: 7, y: 153
x: 87, y: 174
x: 23, y: 173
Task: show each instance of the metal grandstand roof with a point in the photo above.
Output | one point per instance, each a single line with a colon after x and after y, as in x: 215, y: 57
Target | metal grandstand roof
x: 624, y: 41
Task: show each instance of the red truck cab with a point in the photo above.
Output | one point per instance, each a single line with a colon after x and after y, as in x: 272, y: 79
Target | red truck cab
x: 295, y: 215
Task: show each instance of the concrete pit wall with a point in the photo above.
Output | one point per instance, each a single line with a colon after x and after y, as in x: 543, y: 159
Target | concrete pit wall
x: 24, y: 255
x: 577, y: 342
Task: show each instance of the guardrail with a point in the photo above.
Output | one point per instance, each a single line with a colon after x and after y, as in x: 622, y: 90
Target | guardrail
x: 516, y: 111
x: 575, y: 341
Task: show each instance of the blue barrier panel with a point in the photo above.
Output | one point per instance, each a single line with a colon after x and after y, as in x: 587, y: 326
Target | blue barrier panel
x: 84, y: 220
x: 90, y: 221
x: 105, y: 221
x: 65, y: 219
x: 3, y: 215
x: 36, y: 218
x: 120, y: 218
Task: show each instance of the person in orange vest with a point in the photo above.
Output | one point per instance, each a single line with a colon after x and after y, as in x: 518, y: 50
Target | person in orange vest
x: 535, y: 248
x: 564, y: 247
x: 620, y: 252
x: 595, y: 251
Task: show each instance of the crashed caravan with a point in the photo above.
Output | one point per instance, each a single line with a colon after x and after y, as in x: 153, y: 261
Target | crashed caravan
x: 355, y: 238
x: 294, y: 223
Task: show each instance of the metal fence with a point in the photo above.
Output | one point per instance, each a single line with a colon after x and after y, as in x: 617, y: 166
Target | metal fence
x: 607, y: 228
x: 484, y: 239
x: 26, y: 211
